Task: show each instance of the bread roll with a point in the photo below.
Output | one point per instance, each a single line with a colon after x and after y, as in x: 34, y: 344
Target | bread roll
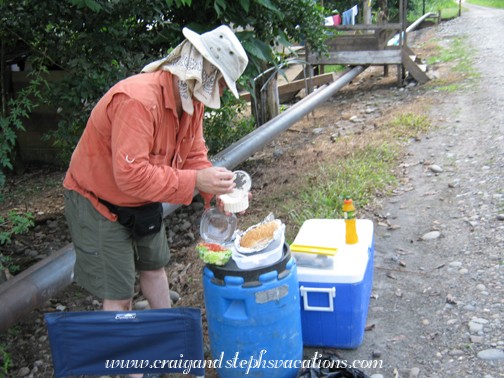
x: 259, y: 236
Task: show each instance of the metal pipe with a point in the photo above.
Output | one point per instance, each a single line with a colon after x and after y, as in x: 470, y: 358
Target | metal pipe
x: 31, y: 288
x: 245, y: 147
x: 417, y: 22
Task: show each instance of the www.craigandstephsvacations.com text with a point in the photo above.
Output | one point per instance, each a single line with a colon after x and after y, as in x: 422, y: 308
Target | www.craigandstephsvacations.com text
x: 238, y: 362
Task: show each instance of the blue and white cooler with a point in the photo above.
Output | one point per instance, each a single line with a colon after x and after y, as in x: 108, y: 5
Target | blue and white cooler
x: 335, y: 281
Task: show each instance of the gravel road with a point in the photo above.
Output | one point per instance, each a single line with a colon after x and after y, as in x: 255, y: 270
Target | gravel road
x: 442, y: 318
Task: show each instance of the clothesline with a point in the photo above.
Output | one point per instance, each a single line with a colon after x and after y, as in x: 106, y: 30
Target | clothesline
x: 349, y: 15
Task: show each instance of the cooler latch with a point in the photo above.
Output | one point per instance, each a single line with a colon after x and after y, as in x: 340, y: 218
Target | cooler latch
x: 331, y: 291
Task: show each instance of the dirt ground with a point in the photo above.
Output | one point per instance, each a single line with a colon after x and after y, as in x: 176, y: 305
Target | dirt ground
x: 436, y: 303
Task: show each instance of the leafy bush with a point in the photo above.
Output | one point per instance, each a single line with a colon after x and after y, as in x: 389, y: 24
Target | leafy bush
x: 5, y: 361
x: 100, y: 42
x: 226, y: 125
x: 16, y: 223
x: 11, y: 119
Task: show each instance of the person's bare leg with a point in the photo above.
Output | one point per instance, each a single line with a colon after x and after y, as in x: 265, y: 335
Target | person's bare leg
x: 117, y: 305
x: 154, y: 284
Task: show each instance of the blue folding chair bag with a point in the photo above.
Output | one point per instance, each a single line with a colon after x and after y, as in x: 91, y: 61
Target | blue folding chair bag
x: 113, y: 342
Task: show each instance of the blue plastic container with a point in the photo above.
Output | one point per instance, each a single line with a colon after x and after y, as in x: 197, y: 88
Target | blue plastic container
x: 253, y: 318
x: 335, y: 293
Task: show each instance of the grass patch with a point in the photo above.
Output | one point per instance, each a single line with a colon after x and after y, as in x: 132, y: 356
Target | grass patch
x: 459, y: 53
x: 449, y: 9
x: 334, y: 68
x: 450, y: 88
x: 488, y: 3
x: 362, y: 167
x: 409, y: 125
x: 359, y: 175
x: 456, y: 51
x: 449, y: 13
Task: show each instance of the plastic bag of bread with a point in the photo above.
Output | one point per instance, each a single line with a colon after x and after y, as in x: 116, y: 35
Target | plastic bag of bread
x: 259, y: 236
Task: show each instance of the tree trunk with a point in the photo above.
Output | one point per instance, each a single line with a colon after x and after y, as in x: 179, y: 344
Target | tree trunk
x: 267, y: 103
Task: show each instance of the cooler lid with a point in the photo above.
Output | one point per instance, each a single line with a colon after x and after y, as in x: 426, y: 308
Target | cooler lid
x: 350, y: 261
x: 217, y: 227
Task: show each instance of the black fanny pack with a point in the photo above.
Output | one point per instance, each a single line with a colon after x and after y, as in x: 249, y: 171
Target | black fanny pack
x: 143, y: 220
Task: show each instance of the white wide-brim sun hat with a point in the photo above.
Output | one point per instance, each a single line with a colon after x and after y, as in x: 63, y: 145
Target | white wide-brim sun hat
x: 222, y: 48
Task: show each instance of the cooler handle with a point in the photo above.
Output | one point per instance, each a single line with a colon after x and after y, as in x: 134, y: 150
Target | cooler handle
x: 331, y: 291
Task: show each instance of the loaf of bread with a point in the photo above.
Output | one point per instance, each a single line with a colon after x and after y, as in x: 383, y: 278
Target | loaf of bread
x: 259, y: 236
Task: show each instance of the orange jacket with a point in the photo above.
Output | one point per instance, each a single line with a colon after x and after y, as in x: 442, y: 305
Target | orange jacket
x: 134, y: 150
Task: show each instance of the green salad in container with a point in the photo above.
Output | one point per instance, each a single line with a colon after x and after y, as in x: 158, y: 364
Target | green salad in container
x: 212, y: 253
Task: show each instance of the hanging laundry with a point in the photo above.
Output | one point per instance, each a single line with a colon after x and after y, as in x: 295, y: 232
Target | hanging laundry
x: 349, y: 15
x: 329, y: 21
x: 337, y: 19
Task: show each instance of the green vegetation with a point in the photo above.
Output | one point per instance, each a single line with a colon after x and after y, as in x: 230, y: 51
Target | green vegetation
x: 70, y: 36
x: 488, y: 3
x: 227, y: 125
x: 365, y: 169
x: 459, y: 52
x: 360, y: 174
x: 449, y: 9
x: 11, y: 120
x: 408, y: 125
x: 5, y: 362
x: 334, y: 68
x: 447, y: 13
x: 16, y: 223
x: 450, y: 88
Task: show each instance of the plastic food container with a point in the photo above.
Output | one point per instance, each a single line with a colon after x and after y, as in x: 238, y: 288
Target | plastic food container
x: 217, y: 227
x: 267, y: 256
x: 238, y: 200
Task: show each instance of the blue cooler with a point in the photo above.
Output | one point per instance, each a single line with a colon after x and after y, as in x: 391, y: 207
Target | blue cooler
x: 335, y: 281
x: 253, y: 319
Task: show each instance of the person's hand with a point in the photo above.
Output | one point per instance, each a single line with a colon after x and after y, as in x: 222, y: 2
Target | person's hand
x: 220, y: 205
x: 215, y: 180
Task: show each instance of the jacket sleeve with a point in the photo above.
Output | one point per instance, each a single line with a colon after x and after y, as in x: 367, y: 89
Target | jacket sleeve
x: 136, y: 171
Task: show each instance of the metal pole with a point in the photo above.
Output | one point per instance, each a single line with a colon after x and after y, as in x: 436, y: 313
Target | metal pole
x: 31, y: 288
x: 253, y: 142
x: 419, y: 21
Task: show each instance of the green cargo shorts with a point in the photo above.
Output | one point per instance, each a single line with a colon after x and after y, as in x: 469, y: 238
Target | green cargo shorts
x: 106, y: 254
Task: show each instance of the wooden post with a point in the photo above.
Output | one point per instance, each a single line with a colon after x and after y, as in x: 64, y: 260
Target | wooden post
x: 460, y: 7
x: 401, y: 15
x: 405, y: 22
x: 266, y: 105
x: 368, y: 17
